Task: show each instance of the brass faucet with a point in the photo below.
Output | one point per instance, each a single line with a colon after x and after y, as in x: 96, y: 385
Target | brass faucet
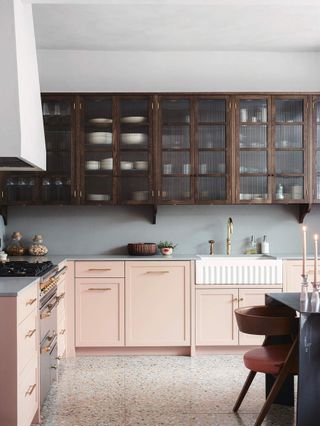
x: 229, y: 233
x: 211, y: 242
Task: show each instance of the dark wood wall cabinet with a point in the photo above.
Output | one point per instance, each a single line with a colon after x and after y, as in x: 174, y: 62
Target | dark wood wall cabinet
x: 185, y: 148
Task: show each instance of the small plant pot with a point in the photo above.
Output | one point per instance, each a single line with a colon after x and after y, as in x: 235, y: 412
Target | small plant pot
x: 167, y: 251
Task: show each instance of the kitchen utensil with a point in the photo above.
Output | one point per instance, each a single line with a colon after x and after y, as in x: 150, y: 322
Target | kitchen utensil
x: 100, y: 138
x: 142, y: 249
x: 134, y: 119
x: 98, y: 197
x: 133, y: 138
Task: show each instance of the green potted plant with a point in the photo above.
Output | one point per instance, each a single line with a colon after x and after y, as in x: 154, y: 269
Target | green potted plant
x: 166, y: 247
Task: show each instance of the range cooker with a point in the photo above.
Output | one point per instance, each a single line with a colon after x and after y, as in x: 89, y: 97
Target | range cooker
x: 49, y: 277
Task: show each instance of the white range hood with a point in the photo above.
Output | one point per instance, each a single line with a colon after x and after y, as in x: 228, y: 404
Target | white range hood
x: 22, y: 143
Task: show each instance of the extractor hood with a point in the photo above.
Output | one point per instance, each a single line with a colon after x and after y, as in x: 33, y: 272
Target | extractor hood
x: 22, y: 143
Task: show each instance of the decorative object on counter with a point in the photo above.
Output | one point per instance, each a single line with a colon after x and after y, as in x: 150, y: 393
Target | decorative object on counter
x: 142, y: 249
x: 304, y: 230
x: 166, y: 247
x: 315, y: 237
x: 304, y: 284
x: 3, y: 256
x: 252, y: 246
x: 265, y: 246
x: 15, y: 248
x: 38, y: 248
x: 304, y: 289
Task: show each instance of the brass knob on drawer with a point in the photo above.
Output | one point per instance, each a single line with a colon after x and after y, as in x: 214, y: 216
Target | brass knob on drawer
x: 45, y: 315
x: 235, y: 299
x: 31, y: 301
x: 58, y: 358
x: 63, y: 331
x: 31, y: 332
x: 54, y: 367
x: 241, y: 299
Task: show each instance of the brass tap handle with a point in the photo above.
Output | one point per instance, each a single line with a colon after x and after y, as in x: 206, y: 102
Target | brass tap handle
x: 211, y: 242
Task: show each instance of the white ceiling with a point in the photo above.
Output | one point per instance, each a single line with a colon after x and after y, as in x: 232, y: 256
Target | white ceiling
x: 179, y: 25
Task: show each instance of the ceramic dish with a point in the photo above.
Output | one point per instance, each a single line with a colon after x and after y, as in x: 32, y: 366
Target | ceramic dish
x: 106, y: 164
x: 134, y: 119
x: 100, y: 121
x: 126, y: 165
x: 98, y: 197
x: 104, y: 138
x: 92, y: 165
x: 133, y: 138
x: 140, y: 195
x: 140, y: 165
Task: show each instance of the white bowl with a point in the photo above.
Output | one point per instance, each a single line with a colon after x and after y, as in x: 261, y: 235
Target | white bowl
x: 100, y: 121
x: 134, y: 119
x: 106, y: 164
x: 98, y: 197
x: 92, y: 165
x: 104, y: 138
x: 126, y: 165
x: 140, y: 195
x: 133, y: 138
x: 140, y: 165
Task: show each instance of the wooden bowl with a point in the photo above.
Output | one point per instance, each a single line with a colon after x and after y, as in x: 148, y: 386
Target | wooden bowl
x: 142, y: 249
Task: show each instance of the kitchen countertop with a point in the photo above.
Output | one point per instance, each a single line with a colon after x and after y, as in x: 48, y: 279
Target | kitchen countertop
x: 12, y: 286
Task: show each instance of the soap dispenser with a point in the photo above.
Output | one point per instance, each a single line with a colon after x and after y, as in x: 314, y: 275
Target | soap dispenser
x: 265, y: 247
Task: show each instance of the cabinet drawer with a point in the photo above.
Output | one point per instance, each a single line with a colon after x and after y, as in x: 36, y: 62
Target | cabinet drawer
x: 27, y: 339
x: 27, y: 302
x: 100, y: 269
x: 28, y: 394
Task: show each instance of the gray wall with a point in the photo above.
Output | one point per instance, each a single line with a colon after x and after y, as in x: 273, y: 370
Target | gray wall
x: 107, y: 229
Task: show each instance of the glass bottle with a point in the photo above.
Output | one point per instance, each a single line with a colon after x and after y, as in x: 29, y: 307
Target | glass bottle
x: 265, y: 248
x: 37, y: 247
x: 15, y: 247
x: 252, y: 246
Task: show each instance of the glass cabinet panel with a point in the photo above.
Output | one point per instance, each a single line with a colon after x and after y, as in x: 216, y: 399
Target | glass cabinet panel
x: 135, y: 151
x: 289, y: 150
x: 316, y: 151
x: 55, y: 183
x: 20, y: 189
x: 211, y: 134
x: 97, y: 165
x: 253, y: 146
x: 176, y: 158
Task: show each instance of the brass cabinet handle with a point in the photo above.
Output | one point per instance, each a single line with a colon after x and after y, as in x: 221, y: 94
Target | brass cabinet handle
x: 54, y: 367
x: 30, y: 389
x: 99, y: 289
x: 31, y: 301
x: 31, y: 332
x: 45, y: 315
x: 235, y: 299
x: 99, y: 269
x: 63, y: 331
x: 241, y: 299
x: 157, y: 272
x: 58, y: 358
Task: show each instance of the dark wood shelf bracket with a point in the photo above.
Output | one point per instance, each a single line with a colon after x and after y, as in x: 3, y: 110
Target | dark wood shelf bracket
x: 304, y: 209
x: 154, y: 214
x: 4, y: 214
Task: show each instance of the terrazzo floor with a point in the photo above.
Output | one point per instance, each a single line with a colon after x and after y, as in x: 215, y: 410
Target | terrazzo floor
x: 152, y: 391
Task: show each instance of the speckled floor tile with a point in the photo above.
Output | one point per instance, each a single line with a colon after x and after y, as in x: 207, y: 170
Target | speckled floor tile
x: 166, y: 390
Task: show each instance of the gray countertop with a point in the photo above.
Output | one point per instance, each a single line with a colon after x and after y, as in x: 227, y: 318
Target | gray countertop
x: 12, y: 286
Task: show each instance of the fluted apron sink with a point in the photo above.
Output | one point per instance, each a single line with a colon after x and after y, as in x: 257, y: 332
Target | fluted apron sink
x: 238, y: 270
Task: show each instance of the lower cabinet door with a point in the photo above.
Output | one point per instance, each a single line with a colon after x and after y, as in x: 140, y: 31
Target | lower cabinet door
x: 158, y: 303
x: 215, y: 319
x: 99, y: 312
x: 292, y: 270
x: 253, y: 297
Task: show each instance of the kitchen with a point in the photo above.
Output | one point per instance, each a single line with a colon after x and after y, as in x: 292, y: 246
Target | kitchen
x: 189, y: 123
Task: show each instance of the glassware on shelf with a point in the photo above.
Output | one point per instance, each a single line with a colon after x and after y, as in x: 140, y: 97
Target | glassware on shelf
x: 280, y: 193
x: 304, y: 289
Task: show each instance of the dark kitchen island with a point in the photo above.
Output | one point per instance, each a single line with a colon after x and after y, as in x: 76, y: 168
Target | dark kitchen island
x: 308, y: 398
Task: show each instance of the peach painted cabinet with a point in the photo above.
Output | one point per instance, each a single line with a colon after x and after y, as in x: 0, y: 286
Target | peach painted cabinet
x: 157, y: 303
x: 19, y: 349
x: 292, y: 270
x: 99, y: 297
x: 215, y: 320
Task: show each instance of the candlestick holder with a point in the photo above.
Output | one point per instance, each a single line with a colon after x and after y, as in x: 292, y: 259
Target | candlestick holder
x: 315, y: 299
x: 304, y: 289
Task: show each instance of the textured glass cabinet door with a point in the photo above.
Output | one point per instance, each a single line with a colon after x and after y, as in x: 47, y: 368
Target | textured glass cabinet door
x: 212, y: 150
x: 316, y: 151
x: 253, y: 149
x: 135, y: 151
x: 97, y: 150
x: 176, y: 165
x: 58, y: 117
x: 289, y: 150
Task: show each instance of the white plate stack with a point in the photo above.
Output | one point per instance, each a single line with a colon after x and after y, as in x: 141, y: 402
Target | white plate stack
x: 100, y: 138
x: 106, y: 164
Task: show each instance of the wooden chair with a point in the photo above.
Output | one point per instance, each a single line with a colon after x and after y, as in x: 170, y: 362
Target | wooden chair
x: 279, y: 359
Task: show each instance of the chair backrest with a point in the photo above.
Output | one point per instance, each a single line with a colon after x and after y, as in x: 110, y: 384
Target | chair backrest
x: 266, y: 320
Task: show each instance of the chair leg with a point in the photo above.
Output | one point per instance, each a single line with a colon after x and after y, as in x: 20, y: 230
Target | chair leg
x: 244, y: 390
x: 271, y: 397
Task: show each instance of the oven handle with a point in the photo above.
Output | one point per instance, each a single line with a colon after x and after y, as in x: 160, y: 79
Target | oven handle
x: 53, y: 341
x: 60, y: 273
